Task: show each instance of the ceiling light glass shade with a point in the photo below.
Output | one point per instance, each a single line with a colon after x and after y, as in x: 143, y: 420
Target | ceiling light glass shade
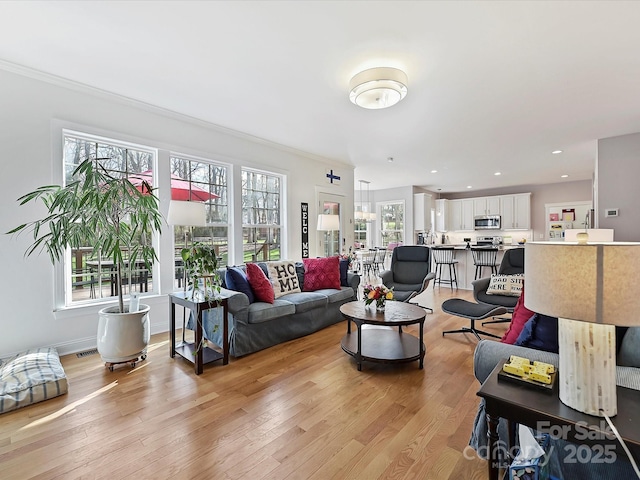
x: 379, y: 87
x: 187, y: 214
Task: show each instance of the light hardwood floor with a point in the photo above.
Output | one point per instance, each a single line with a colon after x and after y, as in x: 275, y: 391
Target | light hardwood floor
x: 300, y: 410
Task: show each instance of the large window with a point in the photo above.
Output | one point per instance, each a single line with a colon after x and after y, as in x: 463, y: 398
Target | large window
x: 201, y: 181
x: 87, y: 278
x: 392, y: 222
x: 261, y: 215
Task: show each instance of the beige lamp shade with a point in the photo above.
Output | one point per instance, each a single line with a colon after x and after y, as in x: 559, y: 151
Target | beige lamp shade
x: 590, y: 288
x: 187, y: 214
x: 328, y: 223
x: 597, y: 283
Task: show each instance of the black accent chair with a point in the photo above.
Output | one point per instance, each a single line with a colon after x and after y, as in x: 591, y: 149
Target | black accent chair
x: 409, y: 273
x: 512, y: 263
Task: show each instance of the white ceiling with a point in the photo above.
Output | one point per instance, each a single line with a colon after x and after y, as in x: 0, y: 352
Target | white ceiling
x: 493, y: 86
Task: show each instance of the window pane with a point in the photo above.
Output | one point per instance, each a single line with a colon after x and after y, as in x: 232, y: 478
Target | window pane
x: 261, y: 215
x: 206, y: 182
x: 261, y: 244
x: 392, y: 222
x: 91, y: 277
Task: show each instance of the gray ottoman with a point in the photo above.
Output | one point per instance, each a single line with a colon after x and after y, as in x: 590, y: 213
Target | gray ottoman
x: 472, y: 311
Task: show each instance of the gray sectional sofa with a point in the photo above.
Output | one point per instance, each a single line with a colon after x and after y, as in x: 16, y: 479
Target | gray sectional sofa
x: 259, y: 325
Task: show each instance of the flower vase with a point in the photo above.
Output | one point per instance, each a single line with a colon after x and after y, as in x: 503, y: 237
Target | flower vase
x: 380, y: 304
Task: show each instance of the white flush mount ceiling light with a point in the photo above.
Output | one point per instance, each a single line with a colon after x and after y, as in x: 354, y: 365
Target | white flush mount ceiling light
x: 379, y: 87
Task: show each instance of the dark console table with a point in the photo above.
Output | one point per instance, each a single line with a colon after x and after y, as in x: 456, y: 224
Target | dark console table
x: 190, y: 351
x: 545, y: 412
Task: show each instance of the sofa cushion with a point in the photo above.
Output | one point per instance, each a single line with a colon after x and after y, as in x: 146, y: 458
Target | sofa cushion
x: 260, y: 284
x: 334, y: 295
x: 344, y: 268
x: 305, y: 301
x: 520, y: 316
x: 321, y: 273
x: 30, y: 377
x: 235, y: 279
x: 262, y: 312
x: 540, y: 332
x: 509, y: 285
x: 629, y: 355
x: 283, y: 277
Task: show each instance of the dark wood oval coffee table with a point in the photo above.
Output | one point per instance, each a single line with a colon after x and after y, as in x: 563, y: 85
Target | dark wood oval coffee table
x: 383, y: 345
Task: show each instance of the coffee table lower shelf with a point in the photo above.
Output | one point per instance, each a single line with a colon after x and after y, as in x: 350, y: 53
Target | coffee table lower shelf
x: 187, y: 349
x: 384, y: 346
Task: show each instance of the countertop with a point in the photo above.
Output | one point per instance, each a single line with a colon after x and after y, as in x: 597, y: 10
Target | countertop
x: 463, y: 246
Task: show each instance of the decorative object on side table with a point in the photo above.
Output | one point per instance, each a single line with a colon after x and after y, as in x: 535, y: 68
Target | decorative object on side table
x: 200, y: 264
x: 110, y: 215
x: 522, y: 371
x: 379, y: 294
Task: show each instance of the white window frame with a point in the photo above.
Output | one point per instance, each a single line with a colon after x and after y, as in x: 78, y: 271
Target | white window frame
x: 62, y: 270
x: 283, y: 210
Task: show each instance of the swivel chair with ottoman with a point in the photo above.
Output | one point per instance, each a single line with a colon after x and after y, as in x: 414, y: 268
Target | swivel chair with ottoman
x: 488, y: 305
x: 512, y: 264
x: 409, y: 273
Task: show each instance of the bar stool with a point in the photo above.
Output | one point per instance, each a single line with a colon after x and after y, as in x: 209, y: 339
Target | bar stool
x: 484, y: 258
x: 445, y: 256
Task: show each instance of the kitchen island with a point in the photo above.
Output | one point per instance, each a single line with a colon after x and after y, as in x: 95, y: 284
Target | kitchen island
x: 466, y: 268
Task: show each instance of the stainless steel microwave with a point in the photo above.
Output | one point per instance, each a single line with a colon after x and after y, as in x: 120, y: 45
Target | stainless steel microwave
x: 487, y: 222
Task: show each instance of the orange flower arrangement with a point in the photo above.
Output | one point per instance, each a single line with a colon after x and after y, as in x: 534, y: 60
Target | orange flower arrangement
x: 377, y: 293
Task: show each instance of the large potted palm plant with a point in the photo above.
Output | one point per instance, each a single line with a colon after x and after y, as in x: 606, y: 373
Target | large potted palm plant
x: 116, y: 219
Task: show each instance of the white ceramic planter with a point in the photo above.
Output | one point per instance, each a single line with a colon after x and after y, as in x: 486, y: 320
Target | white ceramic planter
x: 123, y: 336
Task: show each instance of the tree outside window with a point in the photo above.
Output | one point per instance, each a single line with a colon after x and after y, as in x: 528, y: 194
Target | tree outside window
x: 392, y: 222
x: 261, y: 215
x: 86, y: 278
x: 208, y: 177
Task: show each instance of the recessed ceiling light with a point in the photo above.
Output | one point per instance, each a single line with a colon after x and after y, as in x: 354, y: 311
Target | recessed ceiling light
x: 555, y: 152
x: 498, y: 173
x: 469, y: 186
x: 434, y: 171
x: 390, y: 159
x: 564, y: 176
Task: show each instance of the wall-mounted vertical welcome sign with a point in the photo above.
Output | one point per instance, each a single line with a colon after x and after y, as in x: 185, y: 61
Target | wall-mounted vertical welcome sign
x: 304, y: 212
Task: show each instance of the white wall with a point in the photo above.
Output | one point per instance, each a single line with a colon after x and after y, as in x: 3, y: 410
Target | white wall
x: 618, y: 174
x: 31, y: 114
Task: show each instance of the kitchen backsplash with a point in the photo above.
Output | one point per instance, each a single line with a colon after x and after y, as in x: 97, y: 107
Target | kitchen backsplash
x: 508, y: 237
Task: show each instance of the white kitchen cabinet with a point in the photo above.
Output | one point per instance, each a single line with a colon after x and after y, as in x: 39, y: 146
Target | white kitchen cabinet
x: 461, y: 214
x: 421, y: 212
x: 516, y: 211
x: 442, y: 215
x: 486, y: 205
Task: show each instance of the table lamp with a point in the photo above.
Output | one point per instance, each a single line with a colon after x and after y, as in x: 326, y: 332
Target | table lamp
x: 591, y: 288
x: 188, y: 214
x: 328, y: 223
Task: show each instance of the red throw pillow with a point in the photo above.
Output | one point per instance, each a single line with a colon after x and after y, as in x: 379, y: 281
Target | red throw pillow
x: 520, y: 316
x: 321, y: 273
x: 260, y: 284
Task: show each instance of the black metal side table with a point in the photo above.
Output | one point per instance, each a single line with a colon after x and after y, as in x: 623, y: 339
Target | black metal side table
x: 190, y: 351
